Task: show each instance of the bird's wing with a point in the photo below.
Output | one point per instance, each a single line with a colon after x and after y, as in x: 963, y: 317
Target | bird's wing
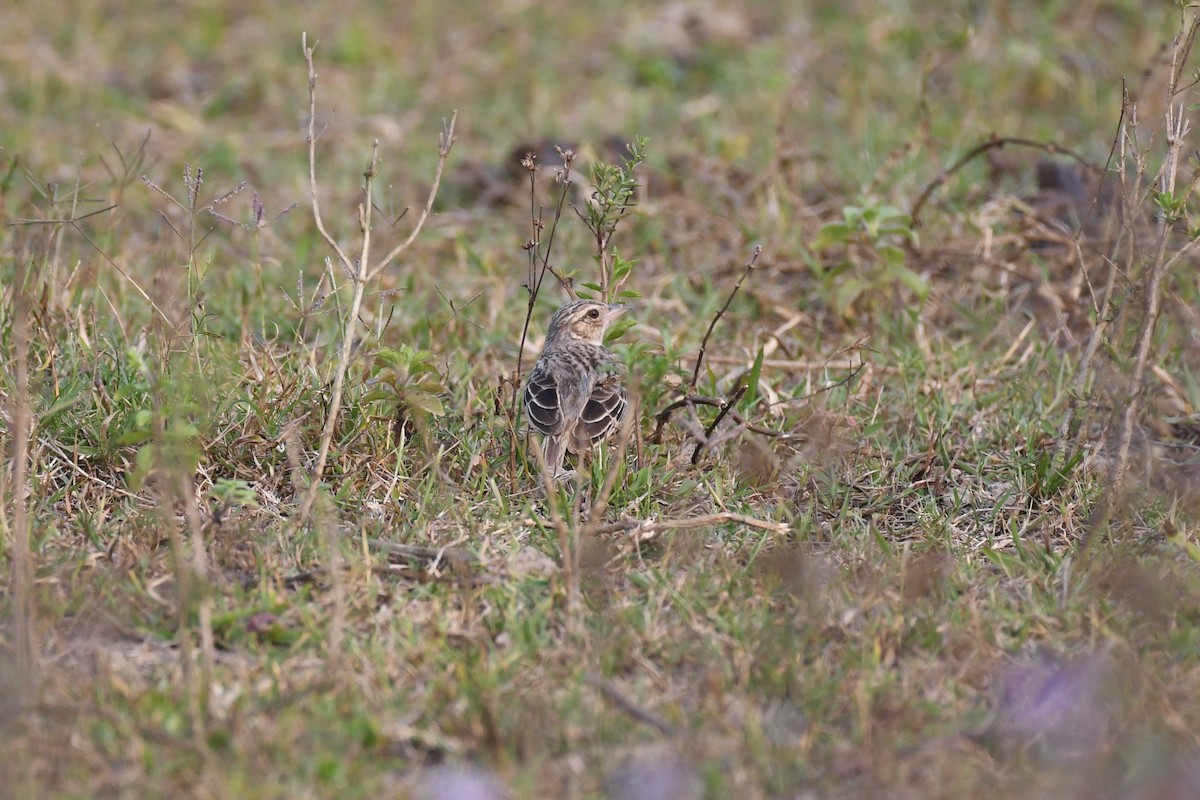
x: 541, y: 402
x: 601, y: 414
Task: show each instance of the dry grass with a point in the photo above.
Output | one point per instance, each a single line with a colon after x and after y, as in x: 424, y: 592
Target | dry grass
x: 914, y: 518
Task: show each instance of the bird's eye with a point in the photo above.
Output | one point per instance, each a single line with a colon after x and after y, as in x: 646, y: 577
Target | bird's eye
x: 593, y: 313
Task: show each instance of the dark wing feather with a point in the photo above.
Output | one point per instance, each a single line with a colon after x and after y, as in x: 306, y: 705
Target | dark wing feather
x: 601, y: 415
x: 541, y: 401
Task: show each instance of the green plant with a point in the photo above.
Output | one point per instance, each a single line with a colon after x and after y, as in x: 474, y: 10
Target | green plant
x: 234, y: 493
x: 872, y: 266
x: 1050, y: 478
x: 165, y: 430
x: 192, y: 233
x: 408, y: 384
x: 614, y: 195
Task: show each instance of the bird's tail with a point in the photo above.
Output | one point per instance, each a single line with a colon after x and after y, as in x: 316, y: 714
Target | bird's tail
x: 554, y: 448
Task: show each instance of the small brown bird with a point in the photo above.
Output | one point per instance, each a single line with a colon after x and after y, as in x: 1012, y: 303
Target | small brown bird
x: 572, y: 398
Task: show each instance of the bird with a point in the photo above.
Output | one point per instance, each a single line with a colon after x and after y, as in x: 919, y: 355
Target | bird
x: 573, y: 397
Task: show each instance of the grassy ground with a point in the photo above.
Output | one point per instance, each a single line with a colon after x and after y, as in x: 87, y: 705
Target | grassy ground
x: 901, y: 568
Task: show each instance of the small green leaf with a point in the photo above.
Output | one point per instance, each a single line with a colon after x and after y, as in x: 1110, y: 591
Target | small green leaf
x: 751, y: 395
x: 848, y: 292
x: 430, y: 404
x: 143, y: 466
x: 62, y: 404
x: 132, y: 437
x: 378, y: 394
x: 235, y: 492
x: 832, y: 234
x: 891, y: 255
x: 913, y: 281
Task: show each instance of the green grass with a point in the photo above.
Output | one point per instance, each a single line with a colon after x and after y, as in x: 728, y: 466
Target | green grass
x: 916, y: 542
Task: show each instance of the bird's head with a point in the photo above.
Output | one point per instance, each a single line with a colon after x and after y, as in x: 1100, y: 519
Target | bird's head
x: 583, y: 321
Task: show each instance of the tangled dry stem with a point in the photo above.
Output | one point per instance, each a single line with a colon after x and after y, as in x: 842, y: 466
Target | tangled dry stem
x: 746, y: 270
x: 361, y: 272
x: 994, y: 143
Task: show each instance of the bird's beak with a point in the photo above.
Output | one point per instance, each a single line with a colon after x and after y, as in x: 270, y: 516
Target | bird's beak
x: 615, y: 310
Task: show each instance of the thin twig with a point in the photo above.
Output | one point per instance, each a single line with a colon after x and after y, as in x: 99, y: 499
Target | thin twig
x: 704, y: 342
x: 434, y: 555
x: 793, y: 365
x: 664, y: 416
x: 360, y: 272
x: 71, y: 220
x: 1079, y: 392
x: 312, y: 154
x: 628, y: 707
x: 533, y: 283
x: 994, y: 143
x: 358, y: 280
x: 536, y: 255
x: 1157, y: 269
x: 644, y: 527
x: 726, y: 407
x: 445, y: 143
x: 1177, y: 128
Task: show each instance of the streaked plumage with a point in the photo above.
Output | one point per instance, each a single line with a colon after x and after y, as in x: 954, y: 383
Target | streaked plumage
x: 573, y: 397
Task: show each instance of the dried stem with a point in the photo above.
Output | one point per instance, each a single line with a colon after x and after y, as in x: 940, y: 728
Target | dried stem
x: 726, y: 407
x: 204, y: 604
x: 1177, y: 128
x: 533, y: 282
x: 358, y: 278
x: 661, y: 419
x: 640, y: 528
x: 445, y: 143
x: 1104, y: 310
x: 664, y: 416
x: 435, y: 556
x: 359, y: 272
x: 610, y: 693
x: 16, y: 535
x: 538, y: 256
x: 312, y: 156
x: 749, y: 267
x: 994, y: 143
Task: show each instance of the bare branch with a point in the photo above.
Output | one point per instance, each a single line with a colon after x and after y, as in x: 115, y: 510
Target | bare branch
x: 358, y: 280
x: 664, y: 416
x: 445, y: 144
x: 726, y: 407
x: 994, y: 143
x: 610, y: 693
x: 312, y: 153
x: 359, y: 272
x: 645, y: 528
x: 704, y: 342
